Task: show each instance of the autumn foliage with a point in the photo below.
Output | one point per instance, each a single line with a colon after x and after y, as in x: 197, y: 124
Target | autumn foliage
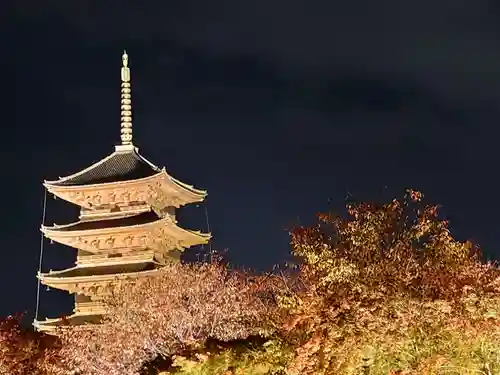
x: 385, y: 289
x: 24, y: 351
x: 173, y: 313
x: 390, y: 289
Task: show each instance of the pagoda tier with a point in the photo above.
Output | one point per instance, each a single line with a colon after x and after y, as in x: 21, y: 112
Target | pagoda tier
x: 78, y: 319
x: 98, y: 281
x: 126, y: 234
x: 122, y: 180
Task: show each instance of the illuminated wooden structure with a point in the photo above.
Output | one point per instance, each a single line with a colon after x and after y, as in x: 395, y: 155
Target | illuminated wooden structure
x: 127, y: 227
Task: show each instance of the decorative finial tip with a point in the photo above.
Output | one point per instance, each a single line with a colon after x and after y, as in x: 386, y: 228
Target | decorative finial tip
x: 125, y: 58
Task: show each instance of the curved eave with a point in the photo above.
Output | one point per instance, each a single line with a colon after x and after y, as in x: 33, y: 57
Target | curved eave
x: 186, y: 237
x: 202, y: 194
x: 56, y: 231
x: 114, y: 262
x: 191, y: 194
x: 51, y: 325
x: 195, y: 237
x: 46, y: 326
x: 51, y: 279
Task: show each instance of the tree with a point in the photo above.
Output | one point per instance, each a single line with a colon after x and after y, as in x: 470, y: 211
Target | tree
x: 172, y: 314
x: 385, y: 289
x: 390, y: 288
x: 25, y: 351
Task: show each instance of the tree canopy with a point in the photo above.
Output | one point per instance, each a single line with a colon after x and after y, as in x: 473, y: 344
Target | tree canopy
x: 384, y: 289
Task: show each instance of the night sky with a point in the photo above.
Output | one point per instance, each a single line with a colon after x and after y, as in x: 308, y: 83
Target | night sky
x: 278, y: 108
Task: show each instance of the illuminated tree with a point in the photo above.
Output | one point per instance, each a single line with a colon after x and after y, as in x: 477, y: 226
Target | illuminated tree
x: 384, y: 290
x: 24, y: 351
x: 172, y: 314
x: 389, y: 287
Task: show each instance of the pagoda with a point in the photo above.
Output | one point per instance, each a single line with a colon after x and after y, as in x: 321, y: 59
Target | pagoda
x: 127, y: 226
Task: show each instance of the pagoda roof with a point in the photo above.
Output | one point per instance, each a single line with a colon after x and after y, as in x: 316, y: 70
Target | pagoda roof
x: 124, y: 164
x: 128, y: 221
x: 102, y: 270
x: 81, y: 279
x: 146, y: 230
x: 50, y: 325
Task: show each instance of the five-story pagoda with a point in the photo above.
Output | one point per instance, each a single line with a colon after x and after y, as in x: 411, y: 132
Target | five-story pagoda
x: 127, y: 227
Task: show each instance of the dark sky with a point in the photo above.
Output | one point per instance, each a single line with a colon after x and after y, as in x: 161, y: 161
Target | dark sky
x: 279, y: 108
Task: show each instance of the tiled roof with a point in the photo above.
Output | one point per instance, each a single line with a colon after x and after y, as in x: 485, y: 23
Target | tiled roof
x: 119, y: 166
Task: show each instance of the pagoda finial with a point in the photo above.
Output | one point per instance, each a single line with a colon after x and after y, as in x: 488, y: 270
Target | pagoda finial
x: 126, y: 103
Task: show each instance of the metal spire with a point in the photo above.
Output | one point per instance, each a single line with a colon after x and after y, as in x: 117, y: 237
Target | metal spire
x: 126, y: 103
